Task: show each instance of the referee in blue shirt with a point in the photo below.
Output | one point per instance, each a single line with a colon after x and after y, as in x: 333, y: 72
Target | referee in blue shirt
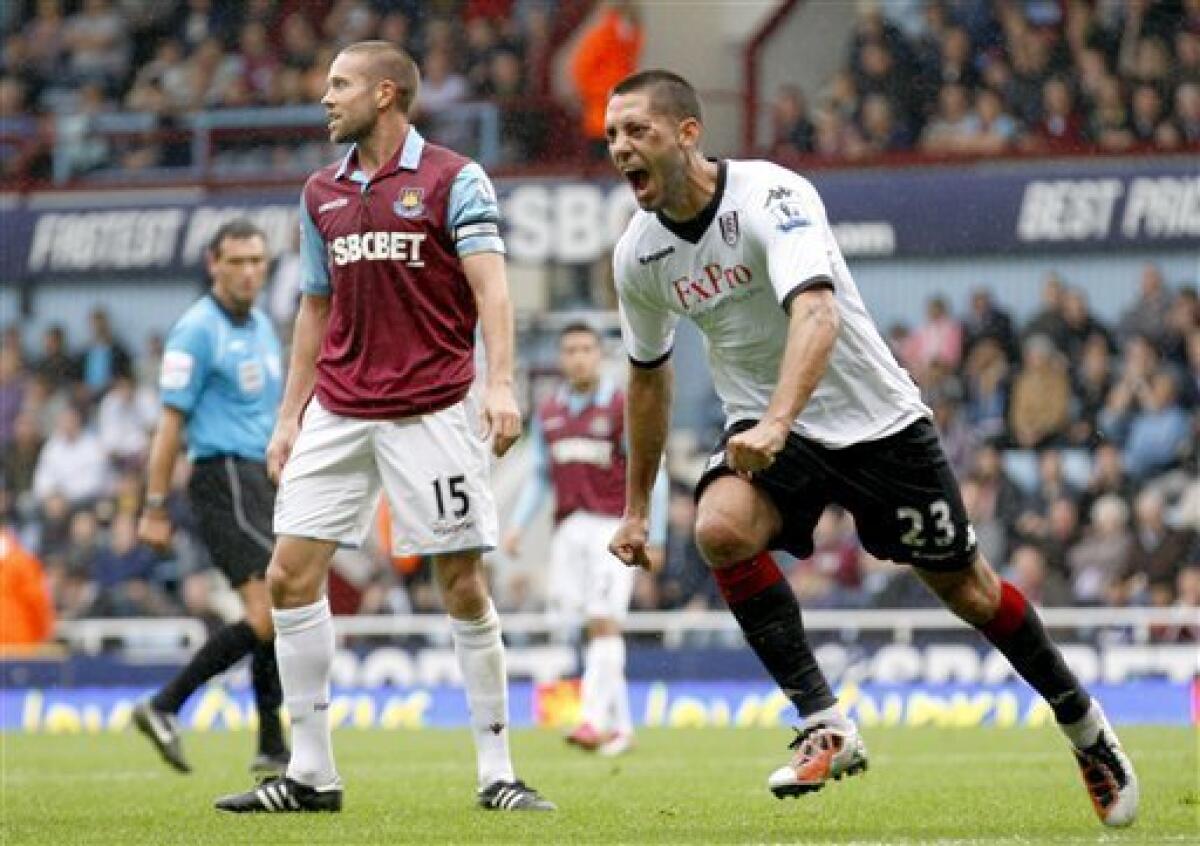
x: 221, y: 384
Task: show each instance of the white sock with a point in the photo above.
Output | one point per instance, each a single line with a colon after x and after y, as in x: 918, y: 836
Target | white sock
x: 832, y: 715
x: 304, y: 652
x: 1086, y: 730
x: 618, y: 687
x: 593, y: 694
x: 480, y: 653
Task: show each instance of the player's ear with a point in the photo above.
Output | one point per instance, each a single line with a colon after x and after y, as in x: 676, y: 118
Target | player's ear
x: 689, y: 133
x: 385, y: 94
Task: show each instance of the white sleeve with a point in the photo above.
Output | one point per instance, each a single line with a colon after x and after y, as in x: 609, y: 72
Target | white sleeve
x: 647, y: 327
x: 788, y: 219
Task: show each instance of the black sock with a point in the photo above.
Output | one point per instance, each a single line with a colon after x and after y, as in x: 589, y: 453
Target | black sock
x: 218, y: 654
x: 1017, y: 631
x: 268, y: 697
x: 766, y: 608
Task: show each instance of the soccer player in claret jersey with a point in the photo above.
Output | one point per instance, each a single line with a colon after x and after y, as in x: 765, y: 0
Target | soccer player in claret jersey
x: 817, y: 411
x: 402, y: 257
x: 578, y: 445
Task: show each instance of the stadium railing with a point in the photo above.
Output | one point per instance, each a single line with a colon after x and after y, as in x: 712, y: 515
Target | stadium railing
x: 94, y: 636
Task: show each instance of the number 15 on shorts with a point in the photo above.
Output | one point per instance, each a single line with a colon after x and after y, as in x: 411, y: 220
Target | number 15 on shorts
x: 448, y: 491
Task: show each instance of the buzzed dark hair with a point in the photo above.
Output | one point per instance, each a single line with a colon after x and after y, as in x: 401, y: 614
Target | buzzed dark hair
x: 670, y: 93
x: 237, y: 229
x: 390, y: 62
x: 579, y: 327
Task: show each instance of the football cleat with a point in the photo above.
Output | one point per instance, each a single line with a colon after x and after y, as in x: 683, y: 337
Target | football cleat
x: 585, y: 737
x: 282, y: 795
x: 162, y: 729
x: 824, y: 751
x: 513, y: 796
x: 270, y: 765
x: 1109, y: 777
x: 615, y: 743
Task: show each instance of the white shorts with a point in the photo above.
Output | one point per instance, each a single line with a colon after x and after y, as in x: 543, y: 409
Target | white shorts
x: 586, y: 580
x: 434, y: 469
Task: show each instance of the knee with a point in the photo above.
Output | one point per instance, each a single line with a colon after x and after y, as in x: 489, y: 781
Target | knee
x: 722, y: 541
x: 465, y: 594
x: 289, y: 586
x: 974, y: 597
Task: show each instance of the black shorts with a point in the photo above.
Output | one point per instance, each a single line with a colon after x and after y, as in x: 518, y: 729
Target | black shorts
x: 234, y: 502
x: 900, y: 489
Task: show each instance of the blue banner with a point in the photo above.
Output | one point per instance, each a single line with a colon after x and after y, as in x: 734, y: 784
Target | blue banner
x: 1108, y: 204
x: 556, y: 705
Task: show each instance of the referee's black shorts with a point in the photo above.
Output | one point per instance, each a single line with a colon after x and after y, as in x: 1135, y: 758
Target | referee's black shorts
x: 904, y: 497
x: 234, y: 502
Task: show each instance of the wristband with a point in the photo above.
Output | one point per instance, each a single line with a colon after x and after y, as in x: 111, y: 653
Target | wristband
x: 156, y: 500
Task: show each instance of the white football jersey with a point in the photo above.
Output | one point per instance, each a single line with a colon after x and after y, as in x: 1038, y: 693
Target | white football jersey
x: 732, y: 270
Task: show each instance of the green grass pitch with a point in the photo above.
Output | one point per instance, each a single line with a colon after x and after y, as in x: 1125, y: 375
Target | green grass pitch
x: 925, y: 786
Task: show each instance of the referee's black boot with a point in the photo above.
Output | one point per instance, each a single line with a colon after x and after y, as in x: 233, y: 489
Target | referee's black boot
x: 162, y: 729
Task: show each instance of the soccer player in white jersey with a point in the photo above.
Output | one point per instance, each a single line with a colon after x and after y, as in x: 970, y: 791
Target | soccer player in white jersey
x: 817, y: 411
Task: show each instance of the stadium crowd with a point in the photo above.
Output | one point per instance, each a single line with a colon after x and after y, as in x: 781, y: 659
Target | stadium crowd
x: 989, y: 77
x: 1075, y: 442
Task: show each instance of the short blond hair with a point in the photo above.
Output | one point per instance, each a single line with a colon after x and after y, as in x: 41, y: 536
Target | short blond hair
x: 387, y: 61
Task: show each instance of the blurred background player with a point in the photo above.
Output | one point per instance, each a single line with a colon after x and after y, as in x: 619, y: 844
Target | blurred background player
x: 577, y: 440
x: 817, y: 412
x: 402, y: 257
x: 220, y: 381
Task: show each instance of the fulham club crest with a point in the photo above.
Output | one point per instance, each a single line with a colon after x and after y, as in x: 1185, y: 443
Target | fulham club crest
x: 729, y: 228
x: 411, y: 203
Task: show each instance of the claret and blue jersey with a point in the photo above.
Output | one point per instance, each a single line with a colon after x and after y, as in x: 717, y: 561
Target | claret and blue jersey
x: 224, y: 373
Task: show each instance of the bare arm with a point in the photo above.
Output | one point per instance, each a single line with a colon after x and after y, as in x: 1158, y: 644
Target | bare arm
x: 311, y: 322
x: 154, y: 527
x: 486, y: 275
x: 647, y: 416
x: 812, y: 331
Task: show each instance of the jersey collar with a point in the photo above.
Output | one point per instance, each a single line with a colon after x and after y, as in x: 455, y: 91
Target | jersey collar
x: 408, y: 157
x: 693, y: 230
x: 237, y: 320
x: 600, y: 397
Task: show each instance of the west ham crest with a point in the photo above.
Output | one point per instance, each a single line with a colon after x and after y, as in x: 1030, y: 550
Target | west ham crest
x: 410, y: 203
x: 729, y: 228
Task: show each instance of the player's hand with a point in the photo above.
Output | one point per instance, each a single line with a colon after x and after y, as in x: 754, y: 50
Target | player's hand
x: 755, y: 449
x: 501, y: 418
x: 630, y: 542
x: 154, y: 528
x: 280, y: 447
x: 511, y: 543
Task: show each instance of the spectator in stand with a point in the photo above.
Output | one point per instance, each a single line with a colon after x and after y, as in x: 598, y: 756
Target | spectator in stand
x: 1039, y: 411
x: 830, y: 577
x: 1192, y: 375
x: 939, y: 338
x: 1061, y: 532
x: 883, y: 74
x: 1079, y: 325
x: 1031, y: 68
x: 18, y: 459
x: 987, y: 387
x: 1052, y: 486
x: 998, y: 493
x: 988, y: 320
x: 13, y: 380
x: 45, y: 41
x: 123, y: 572
x: 792, y: 130
x: 1147, y: 115
x: 1140, y: 362
x: 608, y: 51
x: 482, y: 42
x: 1049, y: 320
x: 258, y: 60
x: 1159, y: 551
x: 441, y: 85
x: 997, y: 131
x: 1092, y: 381
x: 1161, y: 434
x: 1108, y: 123
x: 1030, y: 572
x: 97, y: 42
x: 1097, y: 563
x: 954, y: 127
x: 72, y: 463
x: 990, y: 533
x: 1183, y: 318
x: 881, y: 132
x: 956, y: 61
x: 1108, y: 478
x: 124, y: 420
x: 104, y: 358
x: 26, y: 609
x: 299, y: 42
x: 684, y: 581
x: 836, y: 136
x: 959, y: 438
x: 1060, y: 128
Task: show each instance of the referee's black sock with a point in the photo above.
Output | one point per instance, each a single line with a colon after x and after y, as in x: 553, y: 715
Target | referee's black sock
x: 1017, y: 631
x: 268, y: 697
x: 222, y: 651
x: 766, y: 608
